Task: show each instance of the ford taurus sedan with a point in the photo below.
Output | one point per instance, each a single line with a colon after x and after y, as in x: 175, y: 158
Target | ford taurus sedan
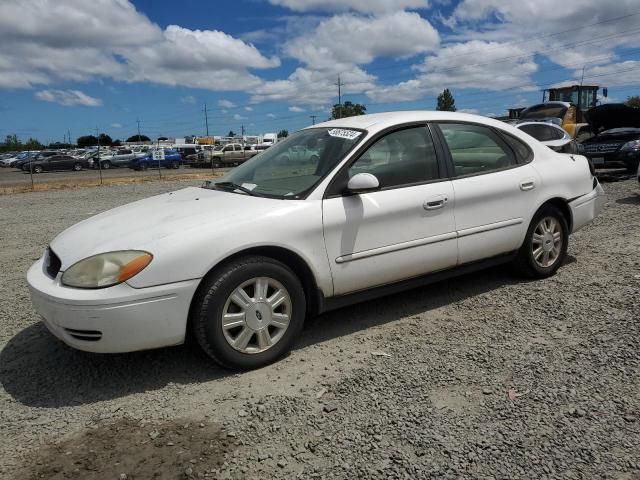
x: 381, y: 203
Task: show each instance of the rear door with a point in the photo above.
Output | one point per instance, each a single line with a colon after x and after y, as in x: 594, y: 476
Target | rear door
x: 494, y: 187
x: 403, y: 230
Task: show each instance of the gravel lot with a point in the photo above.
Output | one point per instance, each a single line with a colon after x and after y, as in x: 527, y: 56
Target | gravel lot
x: 486, y: 376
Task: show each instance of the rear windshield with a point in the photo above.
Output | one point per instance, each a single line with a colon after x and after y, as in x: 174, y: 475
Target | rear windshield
x: 537, y: 112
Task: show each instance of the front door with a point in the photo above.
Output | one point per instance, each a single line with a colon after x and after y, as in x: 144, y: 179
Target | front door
x: 403, y: 230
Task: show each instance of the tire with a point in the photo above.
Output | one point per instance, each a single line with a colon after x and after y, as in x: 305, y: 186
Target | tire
x: 216, y: 162
x: 106, y: 165
x: 530, y: 262
x: 77, y: 167
x: 214, y: 299
x: 143, y: 166
x: 37, y: 169
x: 175, y: 165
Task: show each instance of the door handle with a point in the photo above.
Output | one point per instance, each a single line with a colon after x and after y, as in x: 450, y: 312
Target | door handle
x: 435, y: 203
x: 527, y: 185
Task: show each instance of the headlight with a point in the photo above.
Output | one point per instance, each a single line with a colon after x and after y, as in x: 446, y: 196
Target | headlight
x: 106, y: 269
x: 633, y: 145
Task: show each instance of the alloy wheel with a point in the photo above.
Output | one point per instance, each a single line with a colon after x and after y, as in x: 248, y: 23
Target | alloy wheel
x: 256, y: 315
x: 547, y: 241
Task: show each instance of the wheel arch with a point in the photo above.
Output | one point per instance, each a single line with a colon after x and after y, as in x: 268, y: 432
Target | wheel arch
x: 288, y: 257
x: 562, y: 205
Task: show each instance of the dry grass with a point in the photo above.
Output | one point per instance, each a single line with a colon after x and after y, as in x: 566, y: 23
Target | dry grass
x: 93, y: 182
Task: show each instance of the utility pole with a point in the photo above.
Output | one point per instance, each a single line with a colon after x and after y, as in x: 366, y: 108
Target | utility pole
x: 69, y: 135
x: 206, y: 119
x: 244, y: 154
x: 98, y: 157
x: 137, y: 120
x: 339, y: 84
x: 582, y: 79
x: 313, y: 119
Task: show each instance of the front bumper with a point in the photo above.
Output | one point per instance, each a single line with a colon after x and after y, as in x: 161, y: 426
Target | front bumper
x: 587, y: 207
x: 115, y: 319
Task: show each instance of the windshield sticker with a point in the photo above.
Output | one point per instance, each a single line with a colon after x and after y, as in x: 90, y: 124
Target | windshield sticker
x: 342, y: 133
x: 249, y: 186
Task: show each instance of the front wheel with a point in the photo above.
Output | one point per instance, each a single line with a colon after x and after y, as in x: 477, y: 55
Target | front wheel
x: 106, y: 165
x: 250, y: 313
x: 175, y: 165
x: 37, y: 169
x: 545, y: 245
x: 77, y: 167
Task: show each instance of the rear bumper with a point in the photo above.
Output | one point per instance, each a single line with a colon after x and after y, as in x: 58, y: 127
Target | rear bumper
x: 115, y: 319
x: 587, y: 207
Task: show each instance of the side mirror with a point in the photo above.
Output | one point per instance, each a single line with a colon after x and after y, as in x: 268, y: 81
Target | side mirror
x: 362, y: 183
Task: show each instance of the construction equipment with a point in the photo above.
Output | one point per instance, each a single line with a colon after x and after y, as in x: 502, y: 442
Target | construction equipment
x: 566, y: 107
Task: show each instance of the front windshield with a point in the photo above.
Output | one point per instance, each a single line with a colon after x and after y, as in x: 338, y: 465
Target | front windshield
x: 538, y: 112
x: 293, y: 166
x: 621, y: 131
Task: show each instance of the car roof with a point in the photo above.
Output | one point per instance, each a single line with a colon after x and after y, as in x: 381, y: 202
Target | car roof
x: 379, y: 121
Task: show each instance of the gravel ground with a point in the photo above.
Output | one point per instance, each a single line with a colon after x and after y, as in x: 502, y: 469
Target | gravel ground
x: 486, y: 376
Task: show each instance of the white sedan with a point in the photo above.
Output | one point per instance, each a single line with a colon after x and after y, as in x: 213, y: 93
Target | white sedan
x: 381, y: 203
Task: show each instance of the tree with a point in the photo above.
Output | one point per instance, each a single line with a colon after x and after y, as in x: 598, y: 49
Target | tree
x: 105, y: 139
x: 12, y: 143
x: 162, y: 139
x: 347, y: 109
x: 283, y: 133
x: 87, y: 141
x: 231, y: 133
x: 633, y: 101
x: 138, y: 138
x: 33, y: 144
x: 116, y: 143
x: 446, y: 102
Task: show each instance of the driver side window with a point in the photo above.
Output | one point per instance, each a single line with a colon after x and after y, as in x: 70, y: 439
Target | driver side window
x: 403, y: 157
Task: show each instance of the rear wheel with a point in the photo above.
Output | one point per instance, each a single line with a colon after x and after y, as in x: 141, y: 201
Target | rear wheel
x: 143, y: 166
x: 545, y: 245
x: 250, y: 314
x: 37, y: 169
x: 77, y: 167
x: 106, y: 165
x: 175, y: 165
x: 216, y: 162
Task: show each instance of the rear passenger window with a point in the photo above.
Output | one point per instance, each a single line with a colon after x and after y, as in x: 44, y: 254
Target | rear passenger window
x: 476, y: 149
x: 400, y: 158
x: 523, y: 154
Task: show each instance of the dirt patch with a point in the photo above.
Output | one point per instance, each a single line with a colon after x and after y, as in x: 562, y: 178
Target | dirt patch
x: 92, y: 182
x: 131, y: 450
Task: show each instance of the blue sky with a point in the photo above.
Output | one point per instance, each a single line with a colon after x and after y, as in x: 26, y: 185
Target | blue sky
x: 72, y: 65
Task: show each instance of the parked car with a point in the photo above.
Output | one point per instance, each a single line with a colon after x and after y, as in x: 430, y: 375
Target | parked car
x: 24, y: 164
x: 551, y: 135
x: 54, y: 162
x: 11, y: 160
x: 119, y: 158
x: 395, y: 200
x: 231, y: 154
x: 617, y: 139
x: 171, y: 159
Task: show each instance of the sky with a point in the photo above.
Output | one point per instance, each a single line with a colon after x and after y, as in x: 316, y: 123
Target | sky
x: 77, y: 66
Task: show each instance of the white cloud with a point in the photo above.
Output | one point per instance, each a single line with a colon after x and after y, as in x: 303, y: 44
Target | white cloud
x: 346, y: 40
x: 226, y: 103
x: 116, y: 125
x: 44, y: 41
x: 238, y: 117
x: 68, y: 98
x: 476, y: 64
x: 365, y: 6
x: 271, y: 115
x: 296, y: 109
x: 190, y: 99
x: 248, y: 109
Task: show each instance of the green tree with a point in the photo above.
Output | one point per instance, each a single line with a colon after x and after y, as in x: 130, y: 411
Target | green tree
x: 33, y: 144
x: 117, y: 142
x: 446, y: 102
x: 231, y: 133
x: 87, y: 141
x: 12, y: 143
x: 283, y: 133
x: 138, y: 138
x: 633, y: 101
x: 105, y: 139
x: 162, y: 139
x: 347, y: 109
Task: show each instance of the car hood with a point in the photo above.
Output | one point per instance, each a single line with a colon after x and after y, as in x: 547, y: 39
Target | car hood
x: 149, y: 224
x: 613, y: 115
